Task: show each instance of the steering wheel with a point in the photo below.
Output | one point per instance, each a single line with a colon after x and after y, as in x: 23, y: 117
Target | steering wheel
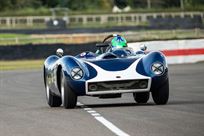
x: 108, y: 37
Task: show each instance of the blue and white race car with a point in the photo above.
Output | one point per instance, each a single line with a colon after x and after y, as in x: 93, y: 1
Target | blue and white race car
x: 113, y: 70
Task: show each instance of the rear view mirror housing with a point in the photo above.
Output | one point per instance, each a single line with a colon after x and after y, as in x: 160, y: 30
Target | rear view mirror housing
x: 59, y: 52
x: 143, y: 47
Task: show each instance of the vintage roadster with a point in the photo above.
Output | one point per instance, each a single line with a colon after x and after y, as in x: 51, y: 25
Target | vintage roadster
x: 113, y: 70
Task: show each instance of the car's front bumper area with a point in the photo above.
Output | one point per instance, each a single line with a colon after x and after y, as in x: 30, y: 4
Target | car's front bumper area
x: 118, y: 86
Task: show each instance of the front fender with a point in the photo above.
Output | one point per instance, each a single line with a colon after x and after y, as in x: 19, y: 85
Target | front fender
x: 48, y: 67
x: 50, y: 60
x: 68, y: 63
x: 144, y: 68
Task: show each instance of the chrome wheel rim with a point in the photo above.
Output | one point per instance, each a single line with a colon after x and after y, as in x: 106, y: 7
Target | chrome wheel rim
x: 47, y: 92
x: 62, y: 91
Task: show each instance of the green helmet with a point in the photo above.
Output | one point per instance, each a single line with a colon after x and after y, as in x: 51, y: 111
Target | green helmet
x: 118, y: 42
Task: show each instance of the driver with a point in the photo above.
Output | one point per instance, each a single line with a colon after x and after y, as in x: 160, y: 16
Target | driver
x: 118, y: 42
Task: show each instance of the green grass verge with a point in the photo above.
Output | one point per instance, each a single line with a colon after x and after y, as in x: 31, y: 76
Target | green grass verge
x: 9, y: 35
x: 134, y: 36
x: 21, y: 64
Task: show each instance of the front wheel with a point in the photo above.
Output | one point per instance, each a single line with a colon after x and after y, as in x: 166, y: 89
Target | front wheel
x: 161, y: 95
x: 52, y: 100
x: 141, y: 97
x: 69, y: 98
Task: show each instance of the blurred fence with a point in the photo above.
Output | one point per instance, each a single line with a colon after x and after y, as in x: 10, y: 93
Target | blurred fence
x: 87, y: 38
x: 117, y: 19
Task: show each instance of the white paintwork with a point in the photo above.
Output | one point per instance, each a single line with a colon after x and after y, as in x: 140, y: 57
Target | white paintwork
x: 127, y: 74
x: 104, y: 121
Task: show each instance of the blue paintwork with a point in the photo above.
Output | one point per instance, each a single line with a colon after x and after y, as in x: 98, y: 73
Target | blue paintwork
x: 67, y: 63
x: 114, y: 64
x: 139, y: 52
x: 86, y: 55
x: 144, y: 68
x: 121, y: 53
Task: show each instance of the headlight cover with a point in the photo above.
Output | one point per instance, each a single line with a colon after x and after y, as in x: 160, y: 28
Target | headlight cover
x: 158, y: 68
x: 77, y: 73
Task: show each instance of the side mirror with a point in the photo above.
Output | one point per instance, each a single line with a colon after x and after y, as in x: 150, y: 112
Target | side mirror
x: 143, y: 47
x: 59, y: 52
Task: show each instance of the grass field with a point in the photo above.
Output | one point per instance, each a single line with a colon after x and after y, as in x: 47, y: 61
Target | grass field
x: 133, y: 36
x: 8, y: 35
x: 21, y: 64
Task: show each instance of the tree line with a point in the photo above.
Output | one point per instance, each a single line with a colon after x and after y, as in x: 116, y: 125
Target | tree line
x: 96, y: 4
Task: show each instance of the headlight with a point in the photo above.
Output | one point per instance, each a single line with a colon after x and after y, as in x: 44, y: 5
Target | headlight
x: 77, y: 73
x: 157, y: 68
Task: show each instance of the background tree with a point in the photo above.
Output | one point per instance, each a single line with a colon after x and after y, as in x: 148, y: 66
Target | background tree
x: 96, y: 4
x: 5, y: 4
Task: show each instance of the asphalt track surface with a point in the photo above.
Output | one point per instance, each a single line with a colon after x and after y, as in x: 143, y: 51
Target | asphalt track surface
x: 24, y: 112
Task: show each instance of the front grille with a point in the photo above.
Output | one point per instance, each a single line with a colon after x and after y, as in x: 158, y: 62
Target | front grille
x: 117, y: 85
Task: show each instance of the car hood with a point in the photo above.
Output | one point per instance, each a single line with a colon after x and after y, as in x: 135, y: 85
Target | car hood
x: 116, y: 64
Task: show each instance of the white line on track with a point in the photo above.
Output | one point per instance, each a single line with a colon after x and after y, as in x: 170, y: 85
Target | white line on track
x: 104, y: 121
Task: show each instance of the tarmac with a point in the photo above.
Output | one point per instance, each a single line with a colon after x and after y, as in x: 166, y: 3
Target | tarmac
x: 24, y: 111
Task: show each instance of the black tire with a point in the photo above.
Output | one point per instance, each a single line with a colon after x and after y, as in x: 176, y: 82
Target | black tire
x: 161, y: 95
x: 69, y: 98
x: 142, y: 97
x: 52, y: 100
